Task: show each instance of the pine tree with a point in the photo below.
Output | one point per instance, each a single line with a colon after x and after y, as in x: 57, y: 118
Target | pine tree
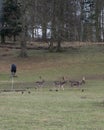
x: 10, y: 21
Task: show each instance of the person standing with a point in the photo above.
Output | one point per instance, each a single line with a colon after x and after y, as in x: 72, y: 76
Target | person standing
x: 13, y: 70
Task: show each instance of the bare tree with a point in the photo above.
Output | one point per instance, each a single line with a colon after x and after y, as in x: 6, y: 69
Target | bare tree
x: 68, y: 20
x: 25, y: 23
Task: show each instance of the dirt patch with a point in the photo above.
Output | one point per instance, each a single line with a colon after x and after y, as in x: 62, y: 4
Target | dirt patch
x: 45, y: 45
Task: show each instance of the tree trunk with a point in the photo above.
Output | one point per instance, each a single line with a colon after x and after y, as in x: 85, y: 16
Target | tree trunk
x: 23, y: 52
x: 58, y: 49
x: 2, y: 38
x: 44, y: 31
x: 51, y: 46
x: 14, y: 38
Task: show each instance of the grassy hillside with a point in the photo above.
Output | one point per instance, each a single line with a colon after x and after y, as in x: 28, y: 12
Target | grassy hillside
x: 42, y: 109
x: 73, y: 63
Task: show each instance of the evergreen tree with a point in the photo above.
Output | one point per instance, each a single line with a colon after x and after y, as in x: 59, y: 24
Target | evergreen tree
x: 10, y: 21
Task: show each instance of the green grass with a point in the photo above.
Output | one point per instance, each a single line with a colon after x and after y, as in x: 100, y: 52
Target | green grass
x: 42, y: 109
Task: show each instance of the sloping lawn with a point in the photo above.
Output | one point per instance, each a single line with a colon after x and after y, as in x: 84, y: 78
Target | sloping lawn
x: 42, y: 109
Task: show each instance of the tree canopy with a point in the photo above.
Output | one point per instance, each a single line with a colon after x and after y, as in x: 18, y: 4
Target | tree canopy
x: 10, y: 19
x: 54, y: 20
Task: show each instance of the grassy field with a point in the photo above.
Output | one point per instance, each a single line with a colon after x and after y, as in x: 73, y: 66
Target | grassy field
x: 42, y: 109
